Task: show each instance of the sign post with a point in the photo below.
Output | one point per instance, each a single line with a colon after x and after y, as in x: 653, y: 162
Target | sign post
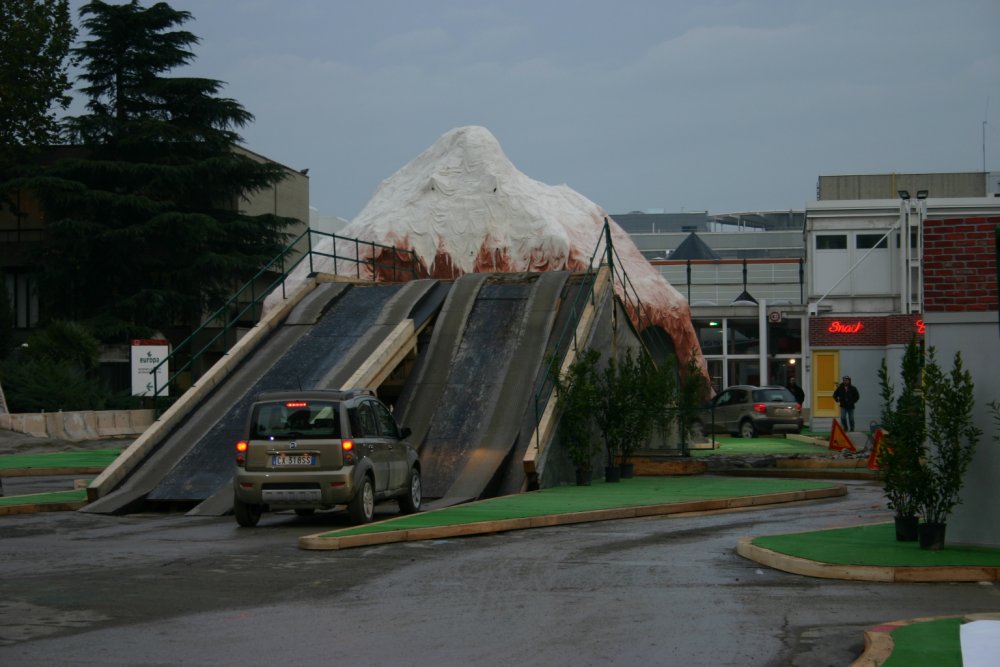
x: 147, y: 355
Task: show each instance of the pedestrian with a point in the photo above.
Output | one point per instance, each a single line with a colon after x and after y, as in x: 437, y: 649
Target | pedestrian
x: 847, y: 396
x: 796, y: 390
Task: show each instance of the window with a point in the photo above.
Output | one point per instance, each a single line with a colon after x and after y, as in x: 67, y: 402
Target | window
x: 866, y: 241
x: 387, y: 425
x: 831, y: 242
x: 363, y: 421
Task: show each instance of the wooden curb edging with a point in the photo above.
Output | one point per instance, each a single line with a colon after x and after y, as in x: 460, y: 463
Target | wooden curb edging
x: 330, y: 541
x: 32, y: 508
x: 910, y: 574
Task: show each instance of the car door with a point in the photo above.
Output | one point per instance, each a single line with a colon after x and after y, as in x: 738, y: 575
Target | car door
x: 396, y: 455
x: 372, y: 444
x: 723, y: 412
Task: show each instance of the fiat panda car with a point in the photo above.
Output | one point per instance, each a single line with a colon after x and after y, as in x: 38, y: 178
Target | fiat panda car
x: 747, y: 410
x: 311, y: 450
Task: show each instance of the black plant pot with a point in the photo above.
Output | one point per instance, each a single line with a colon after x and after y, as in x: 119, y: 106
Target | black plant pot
x: 932, y: 536
x: 906, y: 528
x: 612, y: 473
x: 582, y: 477
x: 627, y: 470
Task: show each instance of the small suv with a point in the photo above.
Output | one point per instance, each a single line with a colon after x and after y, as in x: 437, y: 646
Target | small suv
x: 747, y: 410
x: 310, y: 450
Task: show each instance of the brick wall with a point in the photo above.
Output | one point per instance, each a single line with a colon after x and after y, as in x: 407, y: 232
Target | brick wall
x: 865, y: 331
x: 960, y: 264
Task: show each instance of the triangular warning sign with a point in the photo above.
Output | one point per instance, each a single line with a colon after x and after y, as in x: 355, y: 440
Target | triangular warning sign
x: 876, y: 448
x: 839, y: 439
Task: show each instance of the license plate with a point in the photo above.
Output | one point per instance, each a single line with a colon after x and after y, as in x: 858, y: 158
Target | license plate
x: 285, y: 459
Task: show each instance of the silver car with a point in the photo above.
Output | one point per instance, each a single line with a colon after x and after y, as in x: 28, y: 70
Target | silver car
x: 748, y: 410
x: 310, y: 450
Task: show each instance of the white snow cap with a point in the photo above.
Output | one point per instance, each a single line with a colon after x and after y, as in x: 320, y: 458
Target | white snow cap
x: 462, y: 201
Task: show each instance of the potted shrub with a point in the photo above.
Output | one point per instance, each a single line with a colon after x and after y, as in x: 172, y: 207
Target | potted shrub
x: 899, y: 457
x: 637, y: 379
x: 576, y: 400
x: 692, y: 391
x: 612, y: 417
x: 951, y: 443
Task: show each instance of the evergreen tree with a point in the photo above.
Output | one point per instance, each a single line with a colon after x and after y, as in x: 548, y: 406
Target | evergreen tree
x: 144, y: 227
x: 34, y: 45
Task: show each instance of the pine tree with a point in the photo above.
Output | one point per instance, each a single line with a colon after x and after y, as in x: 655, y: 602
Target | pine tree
x: 143, y: 224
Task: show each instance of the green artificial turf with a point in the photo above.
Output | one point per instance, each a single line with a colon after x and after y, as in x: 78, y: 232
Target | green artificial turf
x: 93, y: 458
x: 874, y: 545
x: 760, y: 446
x: 76, y: 495
x: 928, y: 644
x: 634, y: 492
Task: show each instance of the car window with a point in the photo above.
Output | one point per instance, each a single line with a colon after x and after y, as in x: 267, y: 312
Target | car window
x: 739, y: 396
x: 725, y: 398
x: 386, y: 422
x: 773, y: 395
x: 300, y: 419
x: 363, y: 423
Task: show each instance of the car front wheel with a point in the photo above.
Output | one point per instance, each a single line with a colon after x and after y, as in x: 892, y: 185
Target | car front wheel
x: 247, y: 514
x: 362, y: 506
x: 747, y: 430
x: 410, y: 503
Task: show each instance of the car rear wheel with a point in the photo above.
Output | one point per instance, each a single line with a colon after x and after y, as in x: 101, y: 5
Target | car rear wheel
x: 362, y: 506
x: 747, y: 430
x: 410, y: 503
x: 247, y: 514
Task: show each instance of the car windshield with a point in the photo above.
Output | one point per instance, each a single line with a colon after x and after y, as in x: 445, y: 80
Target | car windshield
x: 296, y: 419
x: 773, y: 395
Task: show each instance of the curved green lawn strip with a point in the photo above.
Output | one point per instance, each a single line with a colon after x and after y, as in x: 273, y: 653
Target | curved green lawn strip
x: 874, y: 545
x: 92, y: 458
x: 927, y: 644
x: 760, y: 446
x: 635, y: 492
x: 76, y: 495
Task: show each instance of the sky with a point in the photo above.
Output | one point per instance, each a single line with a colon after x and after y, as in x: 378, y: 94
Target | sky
x: 638, y: 105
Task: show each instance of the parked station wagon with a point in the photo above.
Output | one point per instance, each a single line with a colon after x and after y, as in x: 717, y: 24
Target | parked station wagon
x: 317, y: 449
x: 747, y: 410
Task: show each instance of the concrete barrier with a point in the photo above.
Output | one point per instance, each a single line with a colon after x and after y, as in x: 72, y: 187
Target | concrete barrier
x: 79, y: 425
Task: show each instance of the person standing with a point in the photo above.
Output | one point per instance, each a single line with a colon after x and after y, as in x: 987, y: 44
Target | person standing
x: 797, y: 391
x: 847, y: 396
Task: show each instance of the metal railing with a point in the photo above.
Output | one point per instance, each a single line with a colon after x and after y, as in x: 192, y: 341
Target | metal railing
x: 243, y: 304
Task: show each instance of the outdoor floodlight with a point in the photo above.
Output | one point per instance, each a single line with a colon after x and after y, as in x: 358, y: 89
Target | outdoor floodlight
x: 921, y: 194
x: 904, y: 195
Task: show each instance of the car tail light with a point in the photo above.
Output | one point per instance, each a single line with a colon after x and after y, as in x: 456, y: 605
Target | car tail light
x: 296, y: 404
x: 347, y: 446
x: 241, y: 450
x: 761, y: 408
x: 798, y: 407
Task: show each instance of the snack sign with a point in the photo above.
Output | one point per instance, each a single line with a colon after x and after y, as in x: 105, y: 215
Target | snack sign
x: 146, y: 356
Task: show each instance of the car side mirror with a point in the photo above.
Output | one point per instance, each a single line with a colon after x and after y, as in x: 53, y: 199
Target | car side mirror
x: 405, y: 432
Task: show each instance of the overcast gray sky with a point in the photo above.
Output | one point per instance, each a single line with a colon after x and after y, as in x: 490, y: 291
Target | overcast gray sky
x: 680, y: 105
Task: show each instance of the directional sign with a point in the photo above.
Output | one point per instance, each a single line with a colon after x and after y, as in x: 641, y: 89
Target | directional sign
x: 147, y: 354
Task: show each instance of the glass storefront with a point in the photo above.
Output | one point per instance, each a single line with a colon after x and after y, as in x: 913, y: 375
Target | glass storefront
x: 731, y: 347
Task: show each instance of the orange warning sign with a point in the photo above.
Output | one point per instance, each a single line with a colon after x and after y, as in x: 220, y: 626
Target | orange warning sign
x: 839, y: 439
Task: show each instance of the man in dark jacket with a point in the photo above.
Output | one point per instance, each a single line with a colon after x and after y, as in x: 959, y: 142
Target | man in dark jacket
x: 847, y: 396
